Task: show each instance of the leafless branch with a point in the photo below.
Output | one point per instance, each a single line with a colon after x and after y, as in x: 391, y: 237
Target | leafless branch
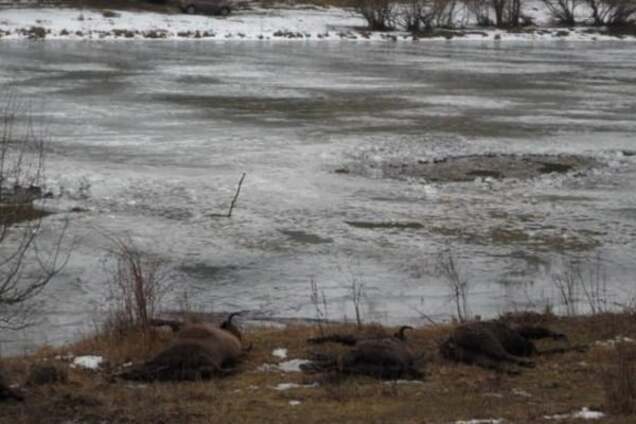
x: 236, y: 195
x: 26, y: 265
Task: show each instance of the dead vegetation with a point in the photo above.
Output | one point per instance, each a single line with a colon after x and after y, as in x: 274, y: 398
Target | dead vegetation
x: 559, y: 384
x: 619, y: 380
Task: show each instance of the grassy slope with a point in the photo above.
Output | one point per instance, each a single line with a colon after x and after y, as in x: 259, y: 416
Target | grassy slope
x: 559, y: 384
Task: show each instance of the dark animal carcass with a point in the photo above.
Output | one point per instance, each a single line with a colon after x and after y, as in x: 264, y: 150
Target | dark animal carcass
x: 6, y: 392
x: 387, y: 357
x: 492, y: 344
x: 199, y: 351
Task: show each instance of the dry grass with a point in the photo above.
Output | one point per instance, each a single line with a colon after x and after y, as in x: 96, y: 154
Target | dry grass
x: 619, y: 380
x: 559, y: 384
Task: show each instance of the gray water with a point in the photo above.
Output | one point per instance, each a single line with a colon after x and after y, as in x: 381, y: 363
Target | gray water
x: 152, y: 138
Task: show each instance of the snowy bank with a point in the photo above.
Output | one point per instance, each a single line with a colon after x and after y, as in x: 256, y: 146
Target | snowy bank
x: 281, y: 23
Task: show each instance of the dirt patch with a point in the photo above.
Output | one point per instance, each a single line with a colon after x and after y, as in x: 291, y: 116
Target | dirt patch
x: 471, y: 167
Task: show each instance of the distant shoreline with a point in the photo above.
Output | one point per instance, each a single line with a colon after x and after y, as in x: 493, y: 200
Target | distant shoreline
x: 276, y: 24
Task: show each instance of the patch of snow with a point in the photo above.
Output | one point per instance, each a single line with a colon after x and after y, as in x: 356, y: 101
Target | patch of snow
x: 611, y: 343
x: 294, y: 402
x: 68, y: 357
x: 292, y: 365
x: 520, y: 392
x: 493, y: 395
x: 287, y: 386
x: 136, y: 386
x: 91, y: 362
x: 280, y: 353
x: 585, y: 414
x: 481, y: 421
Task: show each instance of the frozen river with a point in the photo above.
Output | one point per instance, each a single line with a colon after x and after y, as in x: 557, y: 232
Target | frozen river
x: 152, y: 138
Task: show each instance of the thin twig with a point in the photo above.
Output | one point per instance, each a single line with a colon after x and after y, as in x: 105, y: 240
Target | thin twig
x: 236, y: 195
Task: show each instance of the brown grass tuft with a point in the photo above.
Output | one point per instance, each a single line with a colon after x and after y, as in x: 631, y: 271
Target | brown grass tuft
x: 619, y: 380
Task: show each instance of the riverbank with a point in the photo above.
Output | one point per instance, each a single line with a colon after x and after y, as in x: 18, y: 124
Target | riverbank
x: 282, y: 22
x: 569, y: 387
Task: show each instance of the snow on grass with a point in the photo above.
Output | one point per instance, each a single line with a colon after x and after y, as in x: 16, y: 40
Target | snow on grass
x: 280, y: 353
x: 585, y: 414
x: 288, y: 386
x: 412, y: 382
x: 292, y: 365
x: 294, y: 402
x: 280, y: 23
x: 482, y: 421
x: 91, y: 362
x: 611, y: 343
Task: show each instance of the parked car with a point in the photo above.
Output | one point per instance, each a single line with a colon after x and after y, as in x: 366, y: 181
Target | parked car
x: 213, y: 7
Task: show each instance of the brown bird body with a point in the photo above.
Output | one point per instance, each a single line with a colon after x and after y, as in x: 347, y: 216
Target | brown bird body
x: 491, y: 343
x: 199, y: 351
x: 381, y: 357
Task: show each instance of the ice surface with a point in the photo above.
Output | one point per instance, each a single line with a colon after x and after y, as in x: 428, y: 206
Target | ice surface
x: 151, y: 139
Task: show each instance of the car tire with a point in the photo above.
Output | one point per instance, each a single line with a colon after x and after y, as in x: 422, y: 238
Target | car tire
x: 191, y: 10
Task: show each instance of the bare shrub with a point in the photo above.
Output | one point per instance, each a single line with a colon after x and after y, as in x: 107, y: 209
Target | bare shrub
x: 380, y: 15
x: 138, y: 284
x: 480, y: 9
x: 583, y: 280
x: 443, y: 13
x: 27, y: 262
x: 319, y: 300
x: 567, y: 284
x: 594, y: 285
x: 416, y: 15
x: 619, y: 380
x: 613, y: 12
x: 563, y: 11
x: 508, y: 13
x: 357, y: 294
x: 22, y: 152
x: 447, y: 268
